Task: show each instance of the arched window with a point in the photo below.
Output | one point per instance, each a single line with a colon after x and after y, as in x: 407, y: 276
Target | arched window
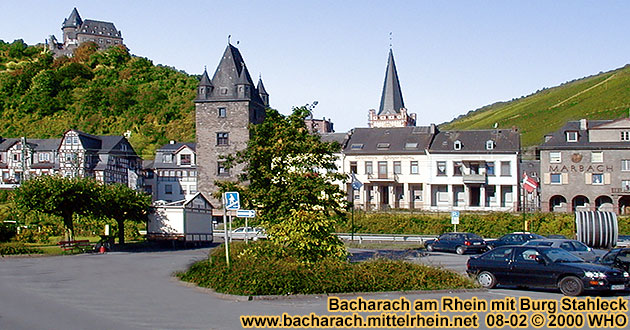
x: 457, y: 145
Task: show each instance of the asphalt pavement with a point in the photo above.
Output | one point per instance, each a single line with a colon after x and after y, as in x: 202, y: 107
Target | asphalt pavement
x: 136, y: 290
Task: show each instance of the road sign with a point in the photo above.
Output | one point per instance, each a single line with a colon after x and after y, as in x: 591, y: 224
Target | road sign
x: 232, y: 201
x: 455, y: 218
x: 245, y: 213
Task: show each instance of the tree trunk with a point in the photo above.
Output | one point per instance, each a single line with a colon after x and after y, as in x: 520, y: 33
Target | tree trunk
x: 121, y: 232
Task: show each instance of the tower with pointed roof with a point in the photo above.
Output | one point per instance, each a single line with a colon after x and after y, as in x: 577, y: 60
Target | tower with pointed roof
x: 392, y: 111
x: 225, y: 107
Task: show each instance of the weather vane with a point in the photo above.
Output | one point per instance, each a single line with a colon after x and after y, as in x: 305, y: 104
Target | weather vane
x: 390, y: 40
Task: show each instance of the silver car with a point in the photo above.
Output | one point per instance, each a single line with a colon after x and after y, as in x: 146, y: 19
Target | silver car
x: 575, y: 247
x: 249, y: 233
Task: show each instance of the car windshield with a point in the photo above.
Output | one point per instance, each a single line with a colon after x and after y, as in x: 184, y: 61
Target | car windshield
x: 560, y: 255
x: 539, y: 243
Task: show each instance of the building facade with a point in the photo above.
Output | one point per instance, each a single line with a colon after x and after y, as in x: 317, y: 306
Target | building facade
x: 225, y: 107
x: 586, y: 166
x: 109, y: 159
x: 174, y: 172
x: 77, y: 31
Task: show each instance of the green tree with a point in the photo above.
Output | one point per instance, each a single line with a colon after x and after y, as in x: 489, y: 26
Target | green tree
x: 290, y: 178
x: 63, y: 197
x: 121, y: 203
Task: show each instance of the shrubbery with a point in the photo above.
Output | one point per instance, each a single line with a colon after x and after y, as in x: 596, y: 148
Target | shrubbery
x: 264, y: 268
x: 493, y: 224
x: 17, y: 248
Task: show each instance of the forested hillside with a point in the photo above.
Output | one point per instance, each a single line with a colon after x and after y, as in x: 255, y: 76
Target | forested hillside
x: 99, y: 92
x: 602, y: 96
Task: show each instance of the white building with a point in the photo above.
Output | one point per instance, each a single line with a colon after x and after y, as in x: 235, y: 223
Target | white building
x: 175, y: 172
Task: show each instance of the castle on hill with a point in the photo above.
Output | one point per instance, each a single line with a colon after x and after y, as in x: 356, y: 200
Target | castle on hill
x: 77, y: 31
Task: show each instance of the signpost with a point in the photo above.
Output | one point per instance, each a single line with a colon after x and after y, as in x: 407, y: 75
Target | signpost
x: 231, y: 202
x: 246, y: 214
x: 356, y: 185
x: 455, y: 220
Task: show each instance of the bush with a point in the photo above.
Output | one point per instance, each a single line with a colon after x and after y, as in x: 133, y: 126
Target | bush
x: 7, y: 231
x: 493, y: 224
x: 263, y: 268
x: 17, y: 248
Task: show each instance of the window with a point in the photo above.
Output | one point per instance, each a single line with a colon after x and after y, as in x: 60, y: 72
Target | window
x: 414, y: 167
x: 167, y: 158
x: 417, y: 193
x: 44, y: 157
x: 572, y: 136
x: 457, y: 145
x: 222, y: 112
x: 382, y: 146
x: 441, y: 168
x: 356, y: 146
x: 368, y: 168
x: 457, y: 168
x: 490, y: 168
x: 222, y: 169
x: 411, y: 145
x: 625, y: 165
x: 397, y: 167
x: 505, y: 169
x: 556, y: 178
x: 222, y: 139
x: 597, y: 157
x: 16, y: 157
x: 69, y: 140
x: 184, y: 159
x: 597, y: 178
x: 353, y: 167
x: 489, y: 145
x: 555, y: 157
x: 193, y: 188
x: 625, y: 136
x: 625, y: 185
x: 168, y: 189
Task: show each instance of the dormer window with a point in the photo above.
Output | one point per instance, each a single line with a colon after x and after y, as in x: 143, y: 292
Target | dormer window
x: 457, y: 145
x: 625, y: 136
x: 411, y: 145
x: 382, y: 146
x: 356, y: 146
x: 489, y: 145
x: 572, y: 136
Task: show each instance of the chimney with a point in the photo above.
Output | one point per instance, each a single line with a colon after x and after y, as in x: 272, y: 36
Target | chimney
x: 171, y: 142
x: 583, y: 124
x: 432, y: 129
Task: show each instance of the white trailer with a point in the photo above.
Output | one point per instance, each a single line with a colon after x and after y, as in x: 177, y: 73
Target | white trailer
x: 185, y: 220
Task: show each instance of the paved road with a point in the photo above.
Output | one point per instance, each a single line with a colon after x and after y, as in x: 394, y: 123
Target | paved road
x: 127, y: 290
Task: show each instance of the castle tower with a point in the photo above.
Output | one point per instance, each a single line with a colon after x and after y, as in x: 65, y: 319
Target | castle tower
x: 262, y: 92
x: 70, y: 26
x: 392, y: 111
x: 225, y: 106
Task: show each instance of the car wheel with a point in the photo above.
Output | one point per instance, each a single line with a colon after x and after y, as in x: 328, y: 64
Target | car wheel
x: 430, y: 248
x: 571, y: 286
x: 460, y: 250
x: 486, y: 280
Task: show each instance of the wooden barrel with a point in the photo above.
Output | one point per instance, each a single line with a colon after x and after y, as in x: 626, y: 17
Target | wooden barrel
x: 597, y: 229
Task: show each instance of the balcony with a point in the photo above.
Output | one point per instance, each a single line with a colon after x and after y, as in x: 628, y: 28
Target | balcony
x: 383, y: 177
x: 622, y: 190
x: 474, y: 178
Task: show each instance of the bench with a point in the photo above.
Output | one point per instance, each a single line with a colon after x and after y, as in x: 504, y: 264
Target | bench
x: 83, y: 245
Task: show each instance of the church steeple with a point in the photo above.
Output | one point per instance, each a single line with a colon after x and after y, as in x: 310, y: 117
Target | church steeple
x: 391, y: 99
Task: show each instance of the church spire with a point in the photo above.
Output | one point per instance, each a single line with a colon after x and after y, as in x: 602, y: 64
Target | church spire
x: 391, y: 99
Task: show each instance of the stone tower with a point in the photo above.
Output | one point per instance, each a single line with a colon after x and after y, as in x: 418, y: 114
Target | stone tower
x: 392, y: 112
x: 225, y: 107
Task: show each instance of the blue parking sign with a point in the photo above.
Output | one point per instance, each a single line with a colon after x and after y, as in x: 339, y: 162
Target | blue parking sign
x: 232, y: 201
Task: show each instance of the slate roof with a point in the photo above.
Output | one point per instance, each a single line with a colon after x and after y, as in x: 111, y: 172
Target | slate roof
x: 474, y: 141
x: 260, y: 87
x: 391, y: 98
x: 8, y: 143
x: 531, y: 167
x: 44, y: 144
x: 98, y: 28
x: 395, y: 140
x: 74, y: 20
x: 205, y: 80
x: 558, y: 138
x: 175, y: 146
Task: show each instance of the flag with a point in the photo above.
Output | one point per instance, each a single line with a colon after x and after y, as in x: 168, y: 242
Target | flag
x: 356, y: 184
x: 529, y: 184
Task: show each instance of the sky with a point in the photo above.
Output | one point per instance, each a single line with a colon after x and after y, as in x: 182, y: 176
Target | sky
x: 452, y: 56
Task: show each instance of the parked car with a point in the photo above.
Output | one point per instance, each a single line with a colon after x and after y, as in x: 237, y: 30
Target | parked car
x: 517, y: 238
x: 557, y: 236
x: 543, y: 266
x: 459, y: 243
x: 618, y: 258
x: 253, y: 233
x: 576, y: 247
x: 623, y: 241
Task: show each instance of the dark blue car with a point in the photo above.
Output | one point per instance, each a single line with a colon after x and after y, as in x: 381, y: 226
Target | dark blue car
x: 459, y: 243
x: 513, y: 239
x: 544, y: 267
